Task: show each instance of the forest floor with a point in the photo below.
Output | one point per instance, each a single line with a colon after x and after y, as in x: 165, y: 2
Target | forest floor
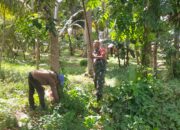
x: 14, y: 87
x: 14, y: 109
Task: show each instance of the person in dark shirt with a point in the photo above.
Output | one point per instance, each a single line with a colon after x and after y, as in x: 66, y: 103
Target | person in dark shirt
x: 36, y: 79
x: 99, y: 60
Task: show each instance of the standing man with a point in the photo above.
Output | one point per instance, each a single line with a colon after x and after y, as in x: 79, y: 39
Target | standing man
x: 99, y: 60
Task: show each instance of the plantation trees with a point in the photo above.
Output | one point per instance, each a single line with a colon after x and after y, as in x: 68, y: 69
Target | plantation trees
x: 88, y: 40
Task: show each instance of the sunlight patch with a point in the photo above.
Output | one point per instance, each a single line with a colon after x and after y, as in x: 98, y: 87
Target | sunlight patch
x: 111, y: 82
x: 79, y: 79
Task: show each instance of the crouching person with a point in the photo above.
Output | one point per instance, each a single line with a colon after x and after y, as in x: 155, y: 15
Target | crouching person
x: 36, y: 80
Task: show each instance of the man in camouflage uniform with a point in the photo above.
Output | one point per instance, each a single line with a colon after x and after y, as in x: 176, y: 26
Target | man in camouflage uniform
x: 99, y: 58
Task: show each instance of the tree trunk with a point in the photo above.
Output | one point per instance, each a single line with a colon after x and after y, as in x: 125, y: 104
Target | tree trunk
x: 54, y: 45
x: 54, y: 52
x: 88, y: 43
x: 146, y: 51
x: 34, y: 50
x: 137, y: 56
x: 3, y: 39
x: 177, y: 42
x: 119, y: 60
x: 37, y: 54
x: 24, y: 54
x: 154, y: 58
x: 127, y: 56
x: 70, y: 46
x: 175, y: 57
x: 88, y: 40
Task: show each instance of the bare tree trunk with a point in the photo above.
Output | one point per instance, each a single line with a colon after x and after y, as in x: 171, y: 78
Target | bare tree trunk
x: 34, y: 51
x: 70, y: 46
x: 24, y: 55
x: 175, y: 57
x: 3, y: 40
x: 37, y: 54
x: 88, y: 40
x: 177, y: 42
x: 54, y: 52
x: 154, y: 58
x: 119, y: 60
x: 137, y: 56
x: 127, y: 55
x: 146, y: 49
x: 54, y: 45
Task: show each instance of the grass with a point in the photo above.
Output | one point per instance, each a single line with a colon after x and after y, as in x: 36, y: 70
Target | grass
x: 14, y: 92
x: 79, y: 101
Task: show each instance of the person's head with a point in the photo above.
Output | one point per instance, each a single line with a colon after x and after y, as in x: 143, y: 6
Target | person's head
x: 96, y: 44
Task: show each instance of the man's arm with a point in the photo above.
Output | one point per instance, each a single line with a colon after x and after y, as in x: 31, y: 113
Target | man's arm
x: 54, y: 92
x: 102, y: 56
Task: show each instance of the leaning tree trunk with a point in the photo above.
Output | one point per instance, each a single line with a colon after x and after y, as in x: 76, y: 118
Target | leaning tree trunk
x: 88, y: 40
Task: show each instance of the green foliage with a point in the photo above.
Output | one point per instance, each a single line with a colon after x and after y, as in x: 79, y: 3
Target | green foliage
x: 143, y: 104
x: 7, y: 120
x: 68, y: 114
x: 14, y: 72
x: 91, y: 121
x: 83, y: 63
x: 134, y: 102
x: 30, y: 27
x: 12, y: 76
x: 57, y: 121
x: 74, y: 101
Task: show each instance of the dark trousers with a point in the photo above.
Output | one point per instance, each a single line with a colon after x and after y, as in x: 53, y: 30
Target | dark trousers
x: 34, y: 84
x: 99, y: 77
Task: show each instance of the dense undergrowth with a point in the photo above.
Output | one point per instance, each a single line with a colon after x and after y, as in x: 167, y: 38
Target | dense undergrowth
x: 132, y: 102
x: 143, y: 104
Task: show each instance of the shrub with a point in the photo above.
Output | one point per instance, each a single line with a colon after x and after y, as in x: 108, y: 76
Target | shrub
x: 56, y: 121
x: 142, y: 105
x: 12, y: 75
x: 68, y: 114
x: 7, y: 120
x: 2, y: 74
x: 83, y: 62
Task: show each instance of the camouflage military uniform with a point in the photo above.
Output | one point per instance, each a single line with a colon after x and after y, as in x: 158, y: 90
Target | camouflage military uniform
x: 99, y: 75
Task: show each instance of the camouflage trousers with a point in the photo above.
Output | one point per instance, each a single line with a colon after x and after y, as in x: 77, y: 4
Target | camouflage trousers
x: 99, y: 77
